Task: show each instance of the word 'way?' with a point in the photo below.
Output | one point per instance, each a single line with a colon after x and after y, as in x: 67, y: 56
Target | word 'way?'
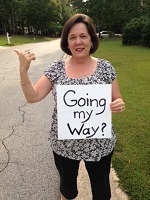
x: 84, y: 111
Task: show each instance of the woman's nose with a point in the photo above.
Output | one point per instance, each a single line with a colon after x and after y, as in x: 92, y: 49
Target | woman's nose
x: 78, y: 40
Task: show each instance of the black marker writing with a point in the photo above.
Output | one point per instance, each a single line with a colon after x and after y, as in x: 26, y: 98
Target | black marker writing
x: 76, y: 101
x: 84, y: 114
x: 85, y: 131
x: 102, y: 104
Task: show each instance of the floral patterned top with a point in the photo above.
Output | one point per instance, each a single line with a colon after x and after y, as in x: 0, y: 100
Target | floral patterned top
x: 86, y: 149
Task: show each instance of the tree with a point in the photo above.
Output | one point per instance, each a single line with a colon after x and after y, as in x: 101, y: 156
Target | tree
x: 67, y: 10
x: 79, y: 6
x: 137, y: 32
x: 5, y: 14
x: 146, y: 33
x: 45, y: 12
x: 111, y: 15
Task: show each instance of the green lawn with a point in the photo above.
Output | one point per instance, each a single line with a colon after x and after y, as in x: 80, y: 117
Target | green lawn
x: 131, y: 159
x: 18, y: 40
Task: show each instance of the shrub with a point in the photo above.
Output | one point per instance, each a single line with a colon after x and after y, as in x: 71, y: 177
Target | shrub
x: 146, y: 34
x: 136, y: 32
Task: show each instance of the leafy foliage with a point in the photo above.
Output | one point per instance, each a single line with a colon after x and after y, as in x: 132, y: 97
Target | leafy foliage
x: 33, y: 16
x: 111, y: 15
x: 137, y: 32
x: 146, y: 34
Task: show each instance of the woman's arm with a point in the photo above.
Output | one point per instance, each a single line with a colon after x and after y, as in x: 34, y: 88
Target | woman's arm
x: 117, y: 105
x: 33, y: 93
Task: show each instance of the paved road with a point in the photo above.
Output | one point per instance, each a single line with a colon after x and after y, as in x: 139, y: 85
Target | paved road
x: 27, y: 170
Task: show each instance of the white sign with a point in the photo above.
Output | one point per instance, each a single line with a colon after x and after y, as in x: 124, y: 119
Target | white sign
x: 84, y: 111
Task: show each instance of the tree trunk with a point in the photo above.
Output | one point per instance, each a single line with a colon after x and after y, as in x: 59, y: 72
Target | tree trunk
x: 4, y: 29
x: 22, y: 24
x: 12, y: 17
x: 29, y: 32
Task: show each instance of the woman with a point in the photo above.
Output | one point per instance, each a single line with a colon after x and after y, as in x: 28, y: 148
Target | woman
x: 79, y: 40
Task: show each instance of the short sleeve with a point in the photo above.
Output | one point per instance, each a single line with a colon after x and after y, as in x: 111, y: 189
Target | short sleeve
x: 111, y: 70
x: 53, y: 71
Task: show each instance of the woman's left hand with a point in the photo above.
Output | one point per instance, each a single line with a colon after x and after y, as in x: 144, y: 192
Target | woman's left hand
x: 117, y: 105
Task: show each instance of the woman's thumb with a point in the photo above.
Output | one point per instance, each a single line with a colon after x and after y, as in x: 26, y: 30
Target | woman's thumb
x: 17, y: 51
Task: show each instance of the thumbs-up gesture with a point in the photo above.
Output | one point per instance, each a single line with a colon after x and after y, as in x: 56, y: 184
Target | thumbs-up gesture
x: 25, y: 58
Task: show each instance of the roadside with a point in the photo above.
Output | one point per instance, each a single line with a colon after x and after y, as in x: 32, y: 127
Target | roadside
x: 1, y: 47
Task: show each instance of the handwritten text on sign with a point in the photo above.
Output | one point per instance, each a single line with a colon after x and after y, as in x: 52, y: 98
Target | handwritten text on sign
x: 83, y: 111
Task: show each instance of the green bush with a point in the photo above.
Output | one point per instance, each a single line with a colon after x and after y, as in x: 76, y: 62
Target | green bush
x: 136, y: 32
x: 146, y: 34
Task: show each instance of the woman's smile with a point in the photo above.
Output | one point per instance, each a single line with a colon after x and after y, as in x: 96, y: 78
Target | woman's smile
x: 79, y: 49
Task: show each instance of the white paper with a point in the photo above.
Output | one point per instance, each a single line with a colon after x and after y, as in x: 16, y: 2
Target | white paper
x: 84, y: 111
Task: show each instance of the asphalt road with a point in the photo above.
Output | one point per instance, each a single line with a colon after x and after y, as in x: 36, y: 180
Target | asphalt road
x: 27, y: 170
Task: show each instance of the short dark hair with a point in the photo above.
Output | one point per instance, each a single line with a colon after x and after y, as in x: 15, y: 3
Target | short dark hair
x: 79, y: 18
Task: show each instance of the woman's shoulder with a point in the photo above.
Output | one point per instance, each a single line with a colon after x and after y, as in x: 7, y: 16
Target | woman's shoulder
x: 54, y: 70
x: 103, y: 63
x: 55, y: 65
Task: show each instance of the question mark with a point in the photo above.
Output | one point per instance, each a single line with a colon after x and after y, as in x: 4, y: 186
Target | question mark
x: 103, y: 126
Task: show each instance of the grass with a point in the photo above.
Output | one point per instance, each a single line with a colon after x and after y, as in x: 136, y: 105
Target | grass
x: 131, y: 159
x: 19, y: 40
x: 132, y: 156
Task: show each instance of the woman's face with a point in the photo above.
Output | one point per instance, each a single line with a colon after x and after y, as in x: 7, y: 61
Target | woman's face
x: 79, y: 40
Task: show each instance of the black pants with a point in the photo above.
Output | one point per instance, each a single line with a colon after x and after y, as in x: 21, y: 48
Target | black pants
x: 98, y: 173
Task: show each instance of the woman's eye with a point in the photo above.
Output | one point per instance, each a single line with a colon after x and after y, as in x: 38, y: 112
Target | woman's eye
x: 72, y: 38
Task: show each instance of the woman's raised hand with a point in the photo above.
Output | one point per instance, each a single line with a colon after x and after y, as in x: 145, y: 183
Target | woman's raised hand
x: 25, y: 58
